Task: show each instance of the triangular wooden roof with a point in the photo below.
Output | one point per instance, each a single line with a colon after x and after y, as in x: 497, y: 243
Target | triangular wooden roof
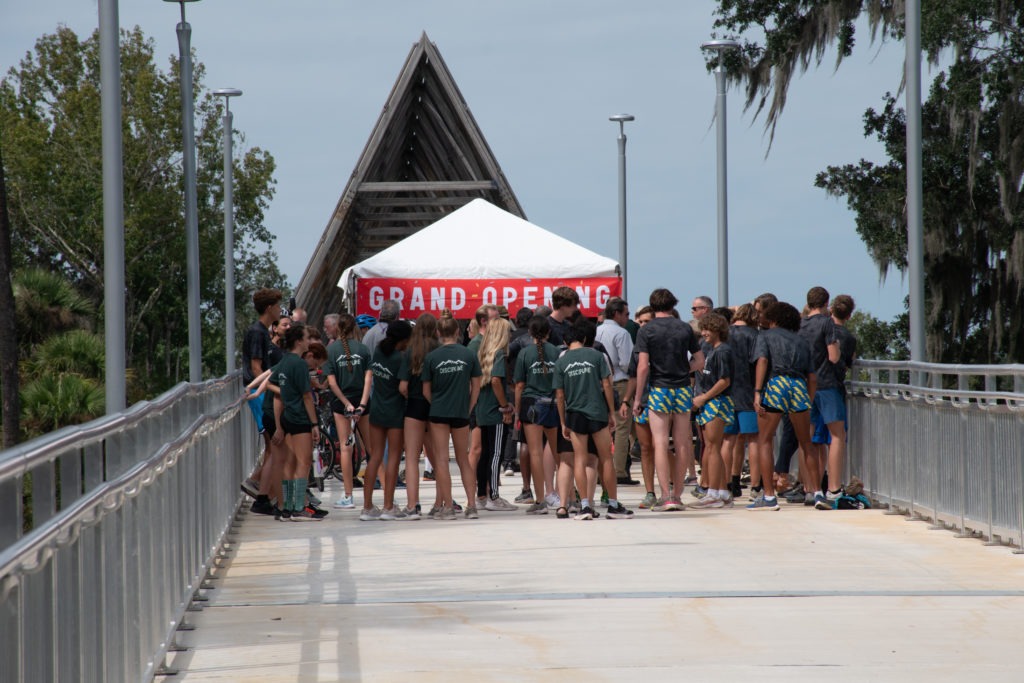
x: 425, y: 158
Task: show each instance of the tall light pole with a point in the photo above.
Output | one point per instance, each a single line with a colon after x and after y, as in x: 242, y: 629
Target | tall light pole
x: 621, y: 119
x: 720, y: 47
x: 113, y: 206
x: 188, y: 165
x: 915, y: 226
x: 229, y: 230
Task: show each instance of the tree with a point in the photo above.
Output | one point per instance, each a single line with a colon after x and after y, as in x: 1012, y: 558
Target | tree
x: 50, y: 116
x: 9, y: 378
x: 973, y: 139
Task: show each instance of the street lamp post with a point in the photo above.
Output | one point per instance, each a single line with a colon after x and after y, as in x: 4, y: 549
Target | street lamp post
x: 719, y: 47
x: 621, y: 119
x: 229, y: 230
x: 188, y: 165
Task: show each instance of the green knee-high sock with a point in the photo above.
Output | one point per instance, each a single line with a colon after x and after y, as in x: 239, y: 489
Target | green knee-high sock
x: 300, y: 493
x: 286, y: 490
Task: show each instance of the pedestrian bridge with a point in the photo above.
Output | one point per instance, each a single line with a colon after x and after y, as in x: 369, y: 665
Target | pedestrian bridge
x: 126, y: 554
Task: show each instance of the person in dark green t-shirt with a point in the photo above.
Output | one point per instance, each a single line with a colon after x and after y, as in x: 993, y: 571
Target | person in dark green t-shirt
x: 451, y: 382
x: 535, y: 406
x: 583, y: 392
x: 349, y: 378
x: 387, y: 420
x: 296, y: 420
x: 494, y: 415
x: 417, y: 408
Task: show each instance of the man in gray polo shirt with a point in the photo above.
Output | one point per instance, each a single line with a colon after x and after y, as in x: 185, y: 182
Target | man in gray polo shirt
x: 389, y: 312
x: 612, y: 334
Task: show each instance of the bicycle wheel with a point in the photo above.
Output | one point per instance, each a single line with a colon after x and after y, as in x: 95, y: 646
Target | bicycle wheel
x: 327, y: 455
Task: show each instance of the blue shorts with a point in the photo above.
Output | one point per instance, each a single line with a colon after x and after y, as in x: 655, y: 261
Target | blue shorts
x: 720, y: 407
x: 786, y: 394
x: 829, y: 406
x: 643, y: 418
x: 670, y: 399
x: 746, y: 423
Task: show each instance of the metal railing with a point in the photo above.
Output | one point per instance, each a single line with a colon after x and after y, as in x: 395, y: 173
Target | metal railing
x: 943, y: 443
x: 108, y: 529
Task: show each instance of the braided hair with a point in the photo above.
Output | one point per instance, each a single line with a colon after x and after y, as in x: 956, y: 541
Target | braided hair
x: 540, y: 328
x: 346, y: 331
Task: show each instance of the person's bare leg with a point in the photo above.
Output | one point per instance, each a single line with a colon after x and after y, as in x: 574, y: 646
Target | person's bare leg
x: 551, y: 462
x: 643, y: 435
x: 802, y: 428
x: 467, y: 467
x: 344, y: 427
x: 440, y: 434
x: 535, y: 450
x: 413, y: 432
x: 579, y: 463
x: 664, y: 462
x: 836, y: 455
x: 683, y: 440
x: 566, y: 468
x: 603, y: 441
x: 766, y: 426
x: 378, y: 437
x: 395, y: 439
x: 526, y: 466
x: 714, y: 433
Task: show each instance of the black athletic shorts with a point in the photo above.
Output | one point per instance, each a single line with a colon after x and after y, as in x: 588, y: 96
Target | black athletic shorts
x: 581, y: 424
x: 453, y: 422
x: 292, y: 428
x: 418, y: 409
x: 338, y: 407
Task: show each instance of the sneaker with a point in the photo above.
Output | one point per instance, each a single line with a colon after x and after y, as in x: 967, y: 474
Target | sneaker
x: 445, y: 514
x: 763, y: 503
x: 370, y: 514
x: 619, y: 511
x: 834, y: 495
x: 499, y: 504
x: 282, y: 515
x: 808, y: 499
x: 689, y: 481
x: 313, y: 500
x: 456, y: 507
x: 429, y: 475
x: 392, y: 515
x: 316, y: 512
x: 303, y: 515
x: 649, y: 500
x: 250, y: 488
x: 552, y: 500
x: 574, y: 508
x: 526, y: 497
x: 735, y: 489
x: 699, y: 492
x: 537, y: 509
x: 671, y: 504
x: 433, y: 512
x: 821, y: 503
x: 702, y: 503
x: 344, y: 503
x: 471, y: 513
x: 795, y: 495
x: 411, y: 514
x: 585, y: 514
x: 562, y: 513
x: 481, y: 502
x: 661, y: 504
x: 509, y: 472
x: 262, y: 506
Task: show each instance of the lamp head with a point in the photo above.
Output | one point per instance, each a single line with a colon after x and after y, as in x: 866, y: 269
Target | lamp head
x: 226, y: 92
x: 720, y: 45
x: 622, y: 117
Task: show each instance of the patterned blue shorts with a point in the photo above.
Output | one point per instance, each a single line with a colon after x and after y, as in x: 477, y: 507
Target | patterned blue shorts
x: 721, y: 407
x: 670, y: 399
x: 785, y: 394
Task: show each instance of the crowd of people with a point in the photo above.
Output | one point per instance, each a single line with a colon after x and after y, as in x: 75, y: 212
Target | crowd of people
x: 568, y: 402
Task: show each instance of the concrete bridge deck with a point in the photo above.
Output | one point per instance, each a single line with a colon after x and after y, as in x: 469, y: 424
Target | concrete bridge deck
x: 723, y: 595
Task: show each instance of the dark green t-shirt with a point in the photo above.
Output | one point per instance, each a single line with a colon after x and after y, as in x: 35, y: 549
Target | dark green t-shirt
x: 474, y: 344
x: 349, y: 369
x: 449, y: 369
x: 488, y: 410
x: 405, y: 373
x: 537, y: 375
x: 387, y: 408
x: 291, y: 375
x: 579, y: 373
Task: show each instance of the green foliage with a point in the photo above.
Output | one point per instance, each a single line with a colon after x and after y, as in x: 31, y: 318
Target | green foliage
x: 50, y: 123
x: 53, y: 401
x: 79, y: 351
x: 973, y: 152
x: 879, y: 340
x: 46, y: 303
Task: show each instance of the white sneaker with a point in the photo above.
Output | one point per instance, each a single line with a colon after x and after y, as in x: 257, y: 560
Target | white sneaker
x: 552, y: 500
x: 410, y: 515
x: 344, y: 503
x: 392, y: 514
x: 370, y: 514
x: 500, y: 505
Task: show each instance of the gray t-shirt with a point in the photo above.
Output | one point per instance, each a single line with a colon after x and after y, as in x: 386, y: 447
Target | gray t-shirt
x: 718, y: 364
x: 667, y: 341
x: 820, y: 332
x: 374, y: 336
x: 787, y: 353
x: 741, y: 340
x: 833, y: 375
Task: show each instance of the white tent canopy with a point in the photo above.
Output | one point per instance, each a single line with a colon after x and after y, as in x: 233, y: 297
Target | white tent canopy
x: 480, y: 240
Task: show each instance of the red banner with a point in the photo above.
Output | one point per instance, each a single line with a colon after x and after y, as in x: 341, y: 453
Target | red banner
x: 463, y: 297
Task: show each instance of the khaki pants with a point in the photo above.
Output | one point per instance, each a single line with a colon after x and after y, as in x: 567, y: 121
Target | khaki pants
x: 622, y: 433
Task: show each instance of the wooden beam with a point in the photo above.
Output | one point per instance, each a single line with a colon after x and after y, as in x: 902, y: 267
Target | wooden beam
x: 399, y: 216
x: 413, y: 202
x: 429, y: 186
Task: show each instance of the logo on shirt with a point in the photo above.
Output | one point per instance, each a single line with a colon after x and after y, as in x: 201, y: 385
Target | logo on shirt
x: 541, y: 367
x: 381, y: 371
x: 448, y: 367
x: 349, y: 359
x: 282, y: 379
x: 579, y: 367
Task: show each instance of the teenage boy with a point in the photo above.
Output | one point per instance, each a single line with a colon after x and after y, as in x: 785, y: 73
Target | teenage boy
x: 583, y: 393
x: 618, y: 345
x: 829, y: 412
x: 668, y: 353
x: 256, y: 358
x: 564, y: 304
x: 820, y: 332
x: 784, y: 384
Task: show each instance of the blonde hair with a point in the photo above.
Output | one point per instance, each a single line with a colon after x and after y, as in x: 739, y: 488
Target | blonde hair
x: 495, y: 339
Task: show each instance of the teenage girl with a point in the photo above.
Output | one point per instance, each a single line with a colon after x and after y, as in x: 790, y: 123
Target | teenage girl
x: 494, y: 414
x: 535, y: 405
x: 417, y: 408
x: 717, y: 410
x: 296, y: 419
x: 451, y: 382
x: 349, y: 379
x: 387, y: 421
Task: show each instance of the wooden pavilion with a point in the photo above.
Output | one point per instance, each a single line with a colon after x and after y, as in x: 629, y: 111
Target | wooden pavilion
x: 425, y: 158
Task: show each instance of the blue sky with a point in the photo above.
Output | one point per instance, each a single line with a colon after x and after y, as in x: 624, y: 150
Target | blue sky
x: 541, y: 79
